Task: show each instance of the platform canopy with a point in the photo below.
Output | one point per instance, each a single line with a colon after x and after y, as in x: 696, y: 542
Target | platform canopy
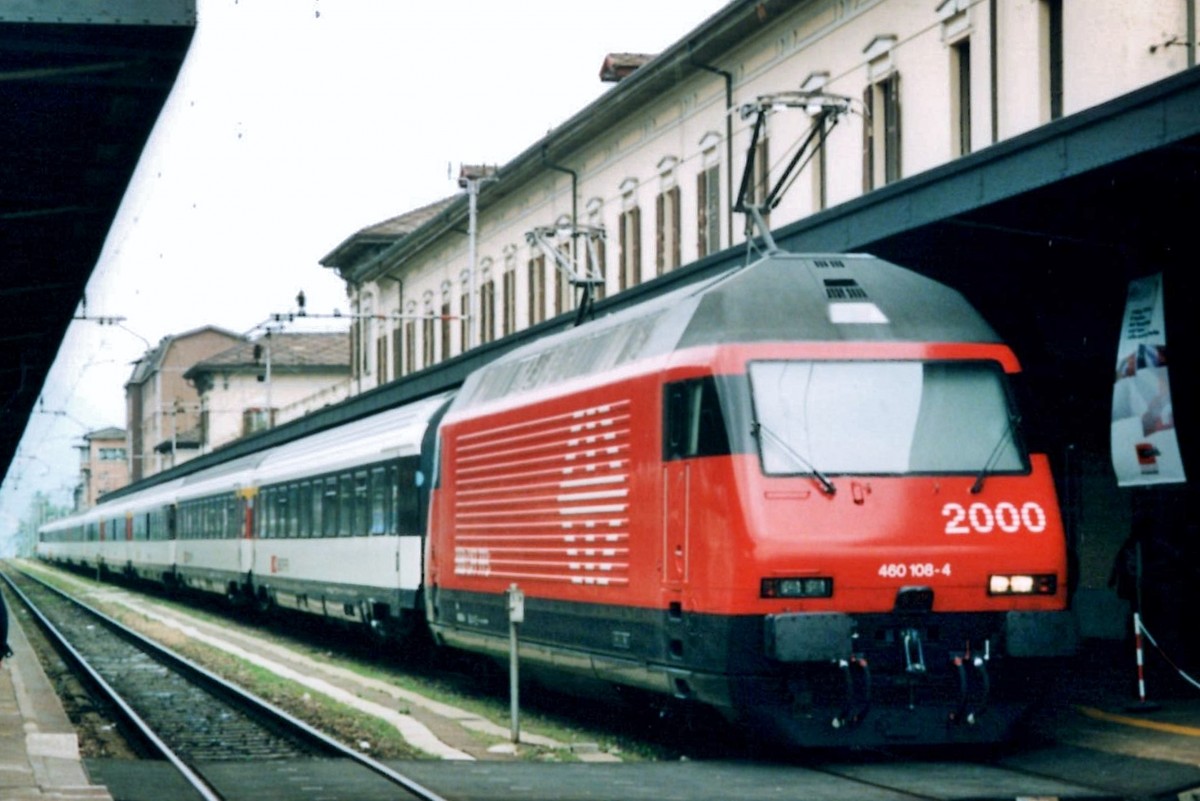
x: 82, y: 83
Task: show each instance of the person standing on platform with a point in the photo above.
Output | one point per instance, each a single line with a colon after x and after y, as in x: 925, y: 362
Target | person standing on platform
x: 5, y: 651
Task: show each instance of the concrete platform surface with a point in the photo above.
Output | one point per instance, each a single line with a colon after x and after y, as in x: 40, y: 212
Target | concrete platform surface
x: 39, y: 750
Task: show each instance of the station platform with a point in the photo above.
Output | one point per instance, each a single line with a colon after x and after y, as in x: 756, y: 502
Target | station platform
x: 39, y: 749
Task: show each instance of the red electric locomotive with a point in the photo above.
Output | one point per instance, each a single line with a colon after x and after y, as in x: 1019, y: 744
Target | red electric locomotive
x: 797, y: 492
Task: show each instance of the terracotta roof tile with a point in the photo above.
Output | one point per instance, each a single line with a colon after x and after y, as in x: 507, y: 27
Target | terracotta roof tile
x: 330, y: 352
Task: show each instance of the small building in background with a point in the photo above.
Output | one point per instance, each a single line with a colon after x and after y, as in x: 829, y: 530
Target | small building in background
x: 258, y: 384
x: 103, y: 465
x: 161, y: 405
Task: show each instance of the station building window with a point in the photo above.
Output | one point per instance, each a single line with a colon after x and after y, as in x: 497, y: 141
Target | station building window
x: 881, y: 117
x: 708, y: 200
x: 428, y: 341
x: 509, y: 300
x: 1051, y: 24
x: 446, y: 323
x: 537, y: 288
x: 487, y: 308
x: 629, y: 229
x: 595, y: 259
x: 410, y: 338
x: 398, y: 348
x: 564, y: 290
x: 960, y: 95
x: 667, y: 218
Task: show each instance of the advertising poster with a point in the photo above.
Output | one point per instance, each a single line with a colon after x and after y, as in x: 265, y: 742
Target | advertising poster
x: 1145, y: 449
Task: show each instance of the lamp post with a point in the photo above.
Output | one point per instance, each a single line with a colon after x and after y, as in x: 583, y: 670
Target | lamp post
x: 472, y: 178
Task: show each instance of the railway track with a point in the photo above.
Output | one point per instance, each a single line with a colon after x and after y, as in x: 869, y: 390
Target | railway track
x: 176, y: 711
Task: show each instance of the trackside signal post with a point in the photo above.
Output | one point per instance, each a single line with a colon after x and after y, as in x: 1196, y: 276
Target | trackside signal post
x: 516, y: 616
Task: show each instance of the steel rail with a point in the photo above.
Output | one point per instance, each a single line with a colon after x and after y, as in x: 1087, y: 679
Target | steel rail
x: 127, y: 712
x: 259, y: 706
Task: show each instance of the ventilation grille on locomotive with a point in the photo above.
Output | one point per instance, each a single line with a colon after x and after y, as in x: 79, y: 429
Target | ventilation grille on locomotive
x: 844, y: 289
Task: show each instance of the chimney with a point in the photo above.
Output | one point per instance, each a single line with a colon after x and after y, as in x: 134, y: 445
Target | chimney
x: 618, y: 66
x: 467, y: 172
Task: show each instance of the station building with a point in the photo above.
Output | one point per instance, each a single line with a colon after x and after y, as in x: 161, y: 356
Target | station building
x: 1038, y: 155
x: 258, y: 384
x: 161, y: 407
x: 103, y: 465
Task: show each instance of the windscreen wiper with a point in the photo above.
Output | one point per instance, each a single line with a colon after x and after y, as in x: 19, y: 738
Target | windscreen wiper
x: 821, y: 478
x: 1005, y: 435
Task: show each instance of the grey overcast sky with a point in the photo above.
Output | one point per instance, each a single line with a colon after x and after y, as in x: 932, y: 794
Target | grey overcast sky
x: 293, y: 124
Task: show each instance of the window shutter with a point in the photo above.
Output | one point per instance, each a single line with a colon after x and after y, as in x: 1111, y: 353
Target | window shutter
x: 676, y: 224
x: 660, y: 243
x: 636, y: 230
x: 891, y: 119
x: 397, y: 352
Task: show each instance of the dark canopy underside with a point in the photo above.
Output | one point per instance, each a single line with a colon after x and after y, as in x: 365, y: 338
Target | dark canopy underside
x: 78, y: 100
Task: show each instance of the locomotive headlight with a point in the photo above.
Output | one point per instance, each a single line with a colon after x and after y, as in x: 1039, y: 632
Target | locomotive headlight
x: 806, y: 587
x: 1022, y: 584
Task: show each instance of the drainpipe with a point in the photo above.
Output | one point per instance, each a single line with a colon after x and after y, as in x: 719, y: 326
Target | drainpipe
x: 994, y: 58
x: 1191, y: 32
x: 729, y: 142
x: 574, y: 184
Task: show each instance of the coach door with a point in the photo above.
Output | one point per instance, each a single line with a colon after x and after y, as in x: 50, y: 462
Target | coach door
x: 245, y: 508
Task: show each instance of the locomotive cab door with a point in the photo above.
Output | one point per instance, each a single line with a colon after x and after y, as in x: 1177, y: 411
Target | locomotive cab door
x: 693, y: 427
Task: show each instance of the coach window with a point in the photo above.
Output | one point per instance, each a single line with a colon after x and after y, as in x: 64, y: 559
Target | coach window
x: 379, y: 499
x: 242, y: 507
x: 233, y: 516
x: 279, y: 503
x: 264, y: 513
x: 329, y: 526
x: 408, y: 506
x: 318, y: 497
x: 393, y: 499
x: 266, y: 506
x: 271, y: 512
x: 693, y: 424
x: 345, y: 505
x: 362, y: 504
x: 281, y: 513
x: 304, y: 501
x: 293, y: 509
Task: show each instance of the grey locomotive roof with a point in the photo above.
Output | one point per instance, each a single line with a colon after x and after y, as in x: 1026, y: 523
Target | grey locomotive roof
x: 782, y: 297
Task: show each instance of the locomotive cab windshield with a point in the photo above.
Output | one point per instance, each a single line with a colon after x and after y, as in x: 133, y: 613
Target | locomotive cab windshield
x: 884, y: 418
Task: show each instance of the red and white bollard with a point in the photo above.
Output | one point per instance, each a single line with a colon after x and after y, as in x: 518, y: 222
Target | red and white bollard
x: 1142, y: 705
x: 1141, y: 660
